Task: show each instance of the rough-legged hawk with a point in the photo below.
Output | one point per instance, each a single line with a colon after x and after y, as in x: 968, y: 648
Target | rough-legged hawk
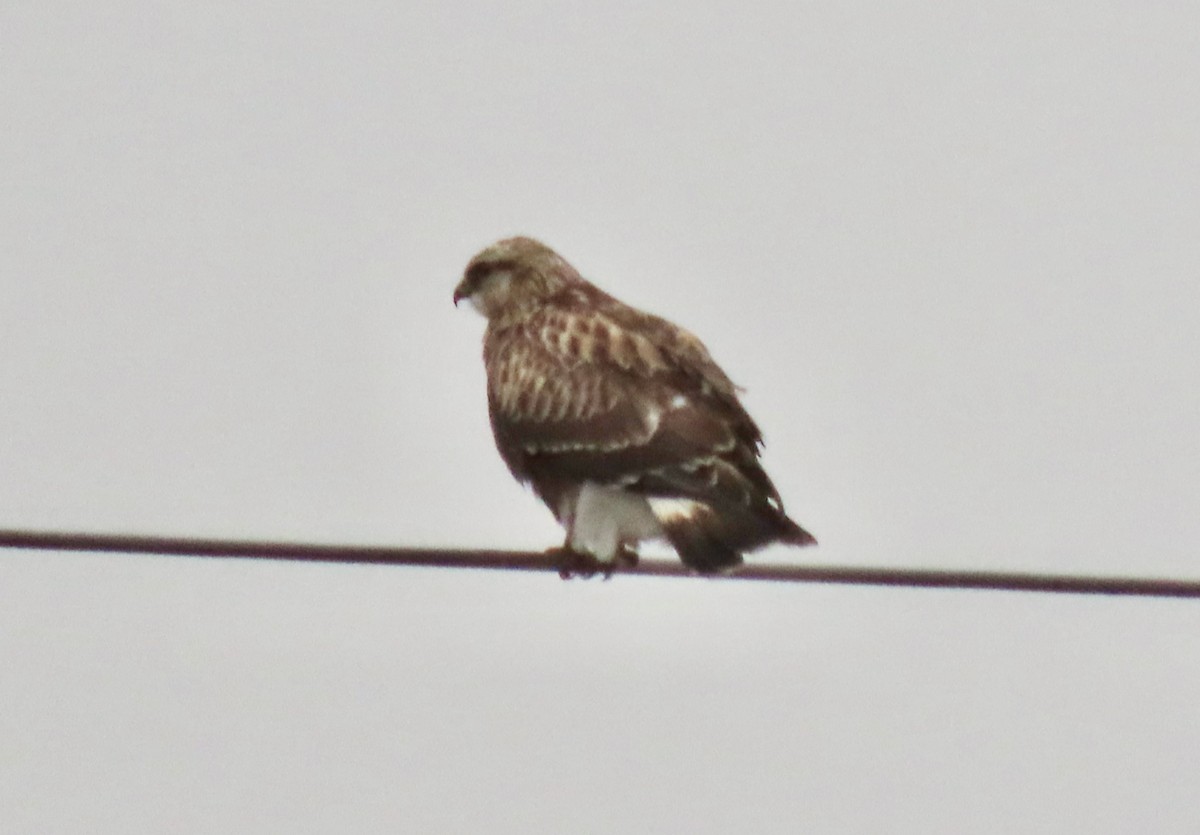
x: 620, y: 420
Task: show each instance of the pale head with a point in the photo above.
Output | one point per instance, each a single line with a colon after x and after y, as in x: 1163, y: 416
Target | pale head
x: 513, y: 275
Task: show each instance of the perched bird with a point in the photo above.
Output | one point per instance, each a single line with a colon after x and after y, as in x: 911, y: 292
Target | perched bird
x: 621, y: 421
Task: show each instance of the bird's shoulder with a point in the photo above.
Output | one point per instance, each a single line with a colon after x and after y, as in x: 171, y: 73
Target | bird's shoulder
x: 584, y: 328
x: 586, y: 363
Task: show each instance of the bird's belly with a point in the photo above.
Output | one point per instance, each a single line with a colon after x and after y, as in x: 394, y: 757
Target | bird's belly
x: 606, y: 518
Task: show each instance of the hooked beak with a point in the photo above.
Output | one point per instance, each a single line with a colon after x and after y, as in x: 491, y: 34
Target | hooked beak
x: 460, y: 293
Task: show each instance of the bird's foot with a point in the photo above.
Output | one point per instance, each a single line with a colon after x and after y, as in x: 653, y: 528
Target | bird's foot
x: 572, y: 563
x: 626, y: 558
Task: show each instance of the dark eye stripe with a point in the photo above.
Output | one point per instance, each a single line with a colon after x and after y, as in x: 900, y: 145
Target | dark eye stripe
x: 477, y: 273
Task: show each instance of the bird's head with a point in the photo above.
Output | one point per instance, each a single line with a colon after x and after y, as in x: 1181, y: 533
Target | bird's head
x: 513, y: 275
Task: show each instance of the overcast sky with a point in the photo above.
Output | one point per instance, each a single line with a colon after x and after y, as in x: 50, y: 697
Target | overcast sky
x: 951, y: 252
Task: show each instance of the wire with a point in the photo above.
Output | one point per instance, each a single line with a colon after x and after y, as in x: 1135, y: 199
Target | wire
x: 552, y: 561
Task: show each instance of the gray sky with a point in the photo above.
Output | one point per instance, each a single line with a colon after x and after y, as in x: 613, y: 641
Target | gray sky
x: 952, y: 254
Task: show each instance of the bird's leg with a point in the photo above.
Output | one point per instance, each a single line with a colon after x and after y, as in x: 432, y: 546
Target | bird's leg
x: 625, y: 557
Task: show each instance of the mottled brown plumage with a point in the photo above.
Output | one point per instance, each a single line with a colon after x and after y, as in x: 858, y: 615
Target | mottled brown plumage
x: 620, y: 420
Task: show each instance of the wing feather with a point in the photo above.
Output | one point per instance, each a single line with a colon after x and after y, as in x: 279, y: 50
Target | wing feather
x: 606, y: 393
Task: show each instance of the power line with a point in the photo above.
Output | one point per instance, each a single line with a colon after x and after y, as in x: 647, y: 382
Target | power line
x: 533, y: 561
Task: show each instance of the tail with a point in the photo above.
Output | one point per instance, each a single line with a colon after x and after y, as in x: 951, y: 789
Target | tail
x: 793, y: 534
x: 710, y: 540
